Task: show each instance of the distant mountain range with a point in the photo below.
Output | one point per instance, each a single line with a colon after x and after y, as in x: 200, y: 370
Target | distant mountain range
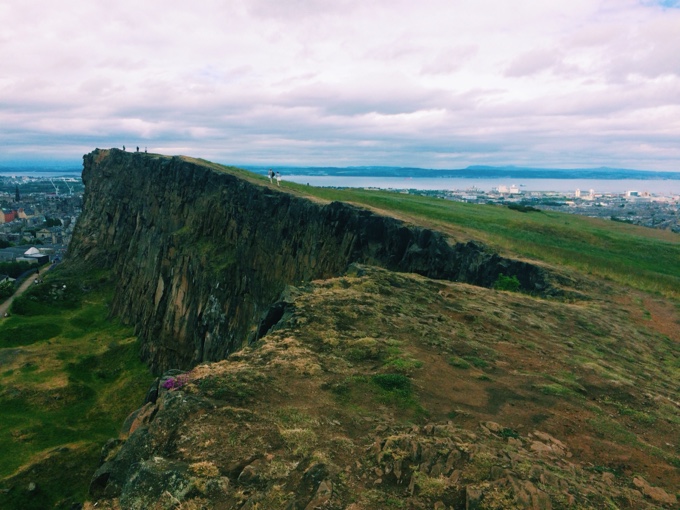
x: 471, y: 172
x: 475, y: 172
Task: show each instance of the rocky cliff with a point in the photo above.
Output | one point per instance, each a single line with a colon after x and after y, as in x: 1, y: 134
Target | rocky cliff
x: 363, y: 378
x: 381, y: 390
x: 202, y: 252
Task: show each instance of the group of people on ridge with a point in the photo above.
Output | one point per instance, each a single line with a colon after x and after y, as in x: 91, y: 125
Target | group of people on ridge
x: 271, y: 175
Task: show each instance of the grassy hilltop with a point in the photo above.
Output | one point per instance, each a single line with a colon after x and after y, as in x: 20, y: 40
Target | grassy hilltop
x: 378, y: 382
x: 639, y: 257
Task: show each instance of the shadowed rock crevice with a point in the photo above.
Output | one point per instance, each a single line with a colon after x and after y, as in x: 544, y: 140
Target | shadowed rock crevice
x: 201, y: 253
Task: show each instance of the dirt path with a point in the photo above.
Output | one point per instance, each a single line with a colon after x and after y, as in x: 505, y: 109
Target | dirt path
x: 22, y: 288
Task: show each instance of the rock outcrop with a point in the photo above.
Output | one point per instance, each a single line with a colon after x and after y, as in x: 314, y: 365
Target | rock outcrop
x: 201, y: 252
x: 354, y: 400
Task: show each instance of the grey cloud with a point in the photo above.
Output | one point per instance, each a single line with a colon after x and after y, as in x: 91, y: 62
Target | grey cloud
x: 449, y: 60
x: 330, y: 100
x: 662, y: 57
x: 534, y: 62
x: 350, y: 82
x: 294, y: 10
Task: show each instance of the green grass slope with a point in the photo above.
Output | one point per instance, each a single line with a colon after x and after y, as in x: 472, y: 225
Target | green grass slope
x: 68, y: 378
x: 643, y: 258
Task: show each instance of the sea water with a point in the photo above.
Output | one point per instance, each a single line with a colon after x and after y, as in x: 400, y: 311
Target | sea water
x: 667, y: 187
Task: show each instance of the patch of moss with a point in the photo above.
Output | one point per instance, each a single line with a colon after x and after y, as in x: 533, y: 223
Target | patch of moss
x: 53, y: 424
x: 17, y: 332
x: 457, y: 362
x: 237, y: 387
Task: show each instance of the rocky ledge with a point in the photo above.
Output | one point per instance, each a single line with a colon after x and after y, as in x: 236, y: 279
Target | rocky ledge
x: 380, y: 390
x: 201, y: 251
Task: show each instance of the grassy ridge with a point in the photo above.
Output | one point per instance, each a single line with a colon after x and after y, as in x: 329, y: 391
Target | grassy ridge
x: 68, y: 378
x: 644, y: 258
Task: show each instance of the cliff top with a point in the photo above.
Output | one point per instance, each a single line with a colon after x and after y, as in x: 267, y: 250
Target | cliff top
x: 630, y: 255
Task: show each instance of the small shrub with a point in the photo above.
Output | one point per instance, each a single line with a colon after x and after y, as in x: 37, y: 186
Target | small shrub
x: 509, y: 283
x: 392, y: 382
x: 522, y: 208
x: 476, y: 362
x: 556, y: 390
x: 364, y: 349
x: 292, y: 417
x: 430, y: 487
x: 205, y: 469
x: 506, y: 432
x: 457, y: 362
x: 299, y: 441
x: 404, y: 366
x: 6, y: 290
x: 342, y: 390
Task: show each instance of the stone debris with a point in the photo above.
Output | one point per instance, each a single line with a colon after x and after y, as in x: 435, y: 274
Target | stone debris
x: 657, y: 494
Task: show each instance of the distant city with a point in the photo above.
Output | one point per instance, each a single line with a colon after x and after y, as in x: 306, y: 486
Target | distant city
x: 635, y: 207
x: 37, y: 217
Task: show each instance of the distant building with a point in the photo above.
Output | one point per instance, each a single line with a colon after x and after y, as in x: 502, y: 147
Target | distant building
x: 53, y: 235
x: 33, y: 255
x: 44, y: 234
x: 20, y: 253
x: 7, y: 215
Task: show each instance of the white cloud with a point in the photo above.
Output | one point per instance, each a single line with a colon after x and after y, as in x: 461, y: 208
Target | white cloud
x: 432, y: 83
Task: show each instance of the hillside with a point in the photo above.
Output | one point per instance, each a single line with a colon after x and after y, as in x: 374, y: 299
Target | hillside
x: 369, y: 363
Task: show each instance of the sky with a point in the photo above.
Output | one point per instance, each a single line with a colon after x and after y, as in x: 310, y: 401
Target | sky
x: 422, y: 83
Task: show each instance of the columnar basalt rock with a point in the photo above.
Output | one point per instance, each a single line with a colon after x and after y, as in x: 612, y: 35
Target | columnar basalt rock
x: 202, y: 252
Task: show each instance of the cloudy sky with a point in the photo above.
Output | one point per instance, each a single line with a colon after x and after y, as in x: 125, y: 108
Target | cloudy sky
x: 428, y: 83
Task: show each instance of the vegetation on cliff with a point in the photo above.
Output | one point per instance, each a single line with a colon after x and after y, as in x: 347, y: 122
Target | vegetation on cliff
x: 69, y: 375
x: 384, y: 390
x: 361, y: 388
x: 640, y: 257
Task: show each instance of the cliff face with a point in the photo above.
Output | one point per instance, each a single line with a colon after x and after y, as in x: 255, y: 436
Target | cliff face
x: 202, y: 253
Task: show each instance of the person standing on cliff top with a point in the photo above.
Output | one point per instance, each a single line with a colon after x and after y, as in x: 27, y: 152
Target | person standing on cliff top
x: 271, y: 175
x: 278, y: 178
